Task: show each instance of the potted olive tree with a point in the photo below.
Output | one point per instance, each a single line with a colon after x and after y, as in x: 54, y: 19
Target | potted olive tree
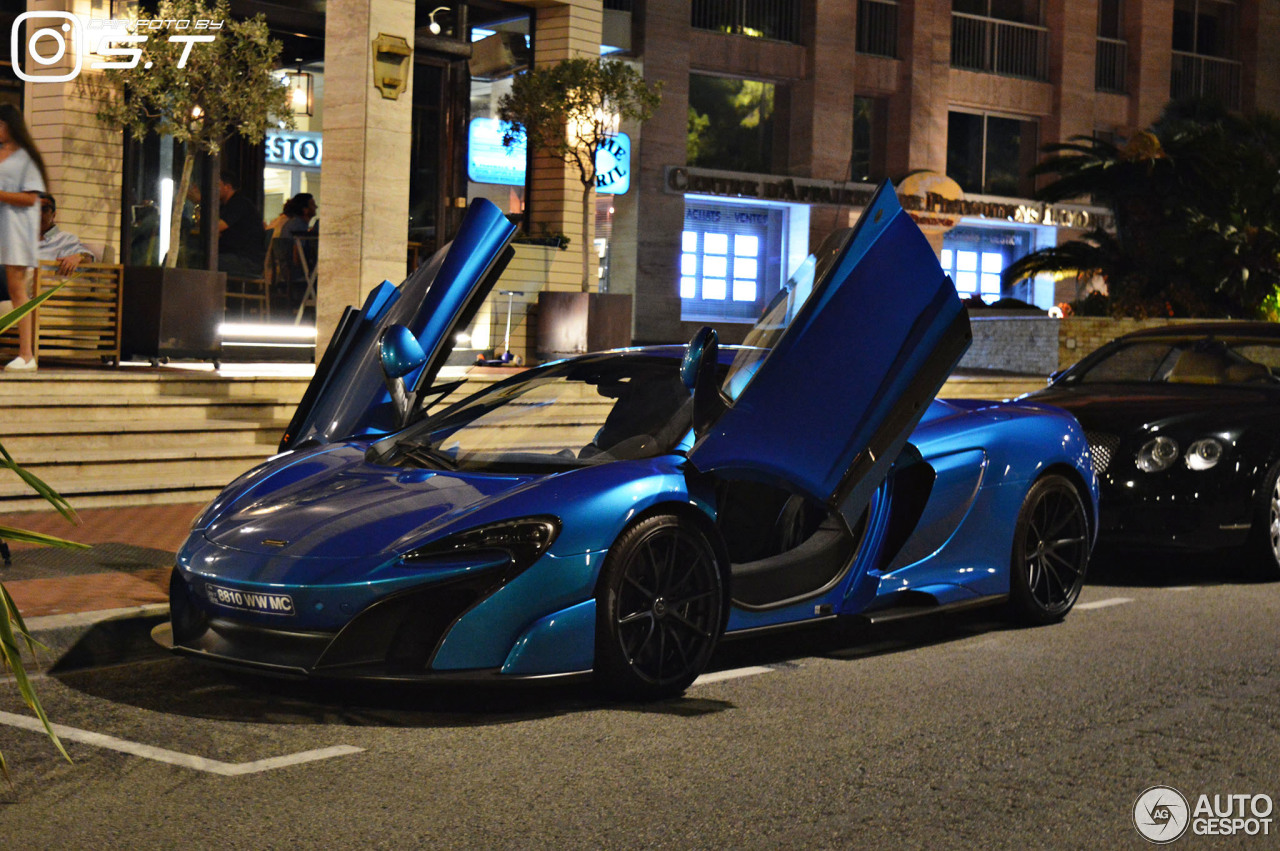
x: 199, y: 87
x: 569, y: 111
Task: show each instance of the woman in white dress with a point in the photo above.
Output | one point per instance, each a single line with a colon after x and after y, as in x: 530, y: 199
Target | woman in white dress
x: 22, y: 179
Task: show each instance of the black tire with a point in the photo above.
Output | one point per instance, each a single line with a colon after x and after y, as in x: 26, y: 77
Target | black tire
x: 1050, y: 552
x: 660, y: 609
x: 1264, y: 538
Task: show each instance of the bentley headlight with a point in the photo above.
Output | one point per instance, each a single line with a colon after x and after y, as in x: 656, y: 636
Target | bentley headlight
x: 1204, y: 454
x: 1157, y: 454
x: 521, y: 541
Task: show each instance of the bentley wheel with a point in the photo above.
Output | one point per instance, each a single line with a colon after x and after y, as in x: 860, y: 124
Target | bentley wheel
x: 659, y: 609
x: 1266, y: 527
x: 1050, y: 552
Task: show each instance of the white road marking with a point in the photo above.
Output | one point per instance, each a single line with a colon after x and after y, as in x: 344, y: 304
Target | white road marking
x: 720, y: 676
x: 199, y: 763
x: 1102, y: 604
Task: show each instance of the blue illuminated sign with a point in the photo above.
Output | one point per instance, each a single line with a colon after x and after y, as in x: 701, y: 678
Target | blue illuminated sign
x: 489, y: 161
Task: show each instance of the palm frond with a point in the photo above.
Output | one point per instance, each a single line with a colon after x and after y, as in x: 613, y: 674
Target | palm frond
x: 11, y: 318
x: 1081, y: 258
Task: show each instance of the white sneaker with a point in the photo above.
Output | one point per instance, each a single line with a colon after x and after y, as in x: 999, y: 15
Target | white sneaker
x: 20, y: 365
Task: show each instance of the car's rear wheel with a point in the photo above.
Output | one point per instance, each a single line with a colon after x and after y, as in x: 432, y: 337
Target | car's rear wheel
x: 1050, y: 552
x: 659, y: 609
x: 1265, y: 536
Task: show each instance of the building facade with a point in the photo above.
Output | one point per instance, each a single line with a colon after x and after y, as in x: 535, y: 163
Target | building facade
x: 778, y: 118
x: 772, y: 108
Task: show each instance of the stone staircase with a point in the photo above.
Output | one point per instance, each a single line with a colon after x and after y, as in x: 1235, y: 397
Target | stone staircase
x: 107, y: 438
x: 998, y: 386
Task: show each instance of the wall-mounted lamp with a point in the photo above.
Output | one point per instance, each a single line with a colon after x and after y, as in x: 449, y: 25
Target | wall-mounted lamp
x: 392, y: 57
x: 432, y: 25
x: 300, y: 92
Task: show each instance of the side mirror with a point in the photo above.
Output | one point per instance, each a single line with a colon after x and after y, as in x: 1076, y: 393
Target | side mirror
x: 400, y: 354
x: 700, y: 373
x: 1054, y: 376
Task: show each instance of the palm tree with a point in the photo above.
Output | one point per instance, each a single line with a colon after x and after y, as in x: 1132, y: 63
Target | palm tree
x: 1196, y: 201
x: 13, y: 632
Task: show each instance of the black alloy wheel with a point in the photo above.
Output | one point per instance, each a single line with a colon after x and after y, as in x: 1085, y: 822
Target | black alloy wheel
x: 1050, y: 552
x: 660, y: 609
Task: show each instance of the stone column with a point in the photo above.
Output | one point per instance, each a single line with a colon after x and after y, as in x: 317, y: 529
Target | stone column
x: 82, y: 156
x: 659, y: 215
x: 564, y: 31
x: 1073, y: 49
x: 1148, y: 28
x: 365, y: 174
x: 1260, y: 32
x: 918, y: 110
x: 822, y: 107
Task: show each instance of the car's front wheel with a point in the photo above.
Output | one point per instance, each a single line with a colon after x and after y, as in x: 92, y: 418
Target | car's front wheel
x: 1050, y: 552
x: 659, y: 609
x: 1265, y: 536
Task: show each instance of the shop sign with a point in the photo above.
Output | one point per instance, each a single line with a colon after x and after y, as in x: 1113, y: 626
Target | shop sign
x: 931, y: 209
x: 294, y: 148
x: 489, y: 161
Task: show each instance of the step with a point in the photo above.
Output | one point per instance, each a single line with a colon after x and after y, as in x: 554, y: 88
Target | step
x: 90, y: 476
x: 80, y: 502
x: 989, y: 388
x: 32, y: 418
x: 134, y: 438
x: 51, y: 383
x: 190, y: 476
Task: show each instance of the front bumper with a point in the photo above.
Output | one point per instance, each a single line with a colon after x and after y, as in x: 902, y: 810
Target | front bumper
x: 1175, y: 510
x: 396, y: 638
x: 493, y: 620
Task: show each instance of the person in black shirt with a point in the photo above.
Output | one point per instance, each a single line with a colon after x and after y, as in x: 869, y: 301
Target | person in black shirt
x: 241, y: 246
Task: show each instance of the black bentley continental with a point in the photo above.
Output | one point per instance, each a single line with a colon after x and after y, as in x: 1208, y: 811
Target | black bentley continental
x: 1183, y: 424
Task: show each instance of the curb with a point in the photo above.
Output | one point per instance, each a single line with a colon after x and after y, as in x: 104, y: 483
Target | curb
x: 97, y: 639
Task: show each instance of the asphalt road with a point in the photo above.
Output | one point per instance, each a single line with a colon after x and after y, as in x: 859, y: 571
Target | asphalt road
x: 954, y: 733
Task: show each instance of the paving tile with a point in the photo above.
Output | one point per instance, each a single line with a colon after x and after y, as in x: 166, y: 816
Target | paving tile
x: 89, y: 593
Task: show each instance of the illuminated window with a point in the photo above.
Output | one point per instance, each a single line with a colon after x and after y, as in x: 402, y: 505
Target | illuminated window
x: 730, y: 261
x: 974, y: 257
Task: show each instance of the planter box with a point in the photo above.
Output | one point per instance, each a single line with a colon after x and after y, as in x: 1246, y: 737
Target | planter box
x: 573, y: 323
x: 172, y: 313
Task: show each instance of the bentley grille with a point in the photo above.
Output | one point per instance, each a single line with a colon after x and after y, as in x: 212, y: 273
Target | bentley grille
x: 1102, y: 447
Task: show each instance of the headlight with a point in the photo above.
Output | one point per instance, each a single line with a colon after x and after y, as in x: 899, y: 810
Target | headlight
x: 522, y: 541
x: 1157, y: 454
x: 1204, y: 454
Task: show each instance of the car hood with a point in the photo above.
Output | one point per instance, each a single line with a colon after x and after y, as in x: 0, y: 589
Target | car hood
x: 337, y: 505
x: 1123, y: 407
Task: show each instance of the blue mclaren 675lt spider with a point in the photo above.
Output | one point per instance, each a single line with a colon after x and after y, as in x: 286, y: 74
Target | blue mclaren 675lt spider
x: 615, y: 515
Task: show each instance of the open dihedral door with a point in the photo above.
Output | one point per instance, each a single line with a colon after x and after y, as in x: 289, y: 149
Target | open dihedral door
x: 830, y: 404
x: 348, y: 394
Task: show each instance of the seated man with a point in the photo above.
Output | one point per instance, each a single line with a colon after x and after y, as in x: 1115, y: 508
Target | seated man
x: 55, y: 244
x: 58, y: 244
x: 241, y: 237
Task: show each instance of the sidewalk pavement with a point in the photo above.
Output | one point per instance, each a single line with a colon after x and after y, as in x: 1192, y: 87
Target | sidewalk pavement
x: 128, y: 566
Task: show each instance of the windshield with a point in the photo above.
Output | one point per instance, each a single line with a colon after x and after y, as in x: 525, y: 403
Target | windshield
x: 775, y: 319
x: 1201, y: 360
x: 564, y: 416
